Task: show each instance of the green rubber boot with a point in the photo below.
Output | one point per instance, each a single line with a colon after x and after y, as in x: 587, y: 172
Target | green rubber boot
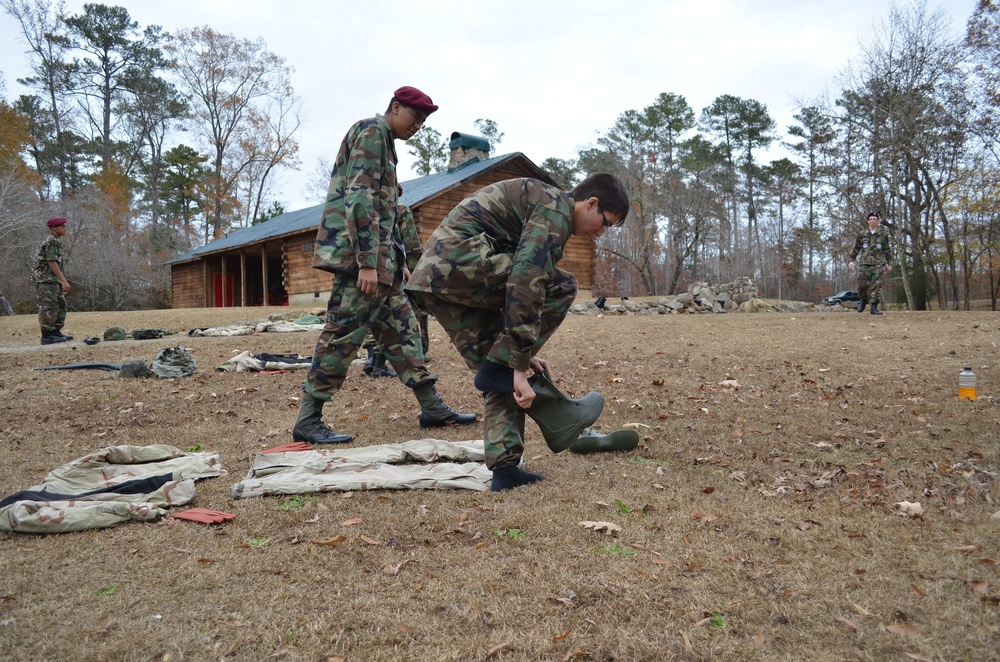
x: 595, y: 442
x: 561, y: 419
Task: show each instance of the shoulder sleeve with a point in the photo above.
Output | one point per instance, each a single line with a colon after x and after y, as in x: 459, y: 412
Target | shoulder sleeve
x: 364, y: 168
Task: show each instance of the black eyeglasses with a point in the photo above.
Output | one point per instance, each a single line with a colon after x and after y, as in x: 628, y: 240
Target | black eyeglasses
x: 607, y: 223
x: 417, y: 116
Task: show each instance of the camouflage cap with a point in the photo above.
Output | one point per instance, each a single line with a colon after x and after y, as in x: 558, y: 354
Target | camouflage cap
x: 134, y: 369
x: 115, y: 333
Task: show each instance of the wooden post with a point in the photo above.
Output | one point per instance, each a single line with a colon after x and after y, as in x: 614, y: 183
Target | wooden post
x: 224, y: 274
x: 243, y: 278
x: 263, y: 270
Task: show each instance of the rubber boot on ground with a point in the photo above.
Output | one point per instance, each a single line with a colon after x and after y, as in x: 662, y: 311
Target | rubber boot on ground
x: 561, y: 419
x: 875, y: 310
x: 434, y: 413
x: 861, y: 306
x: 309, y: 426
x: 370, y: 362
x: 590, y: 441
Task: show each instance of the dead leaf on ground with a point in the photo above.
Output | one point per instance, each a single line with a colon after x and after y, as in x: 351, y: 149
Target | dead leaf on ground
x: 496, y: 649
x: 372, y: 541
x: 404, y: 628
x: 906, y: 630
x: 393, y: 570
x: 352, y: 521
x: 861, y: 610
x: 703, y: 516
x: 851, y: 624
x: 607, y: 528
x: 560, y: 637
x: 966, y: 549
x: 330, y: 542
x: 907, y: 509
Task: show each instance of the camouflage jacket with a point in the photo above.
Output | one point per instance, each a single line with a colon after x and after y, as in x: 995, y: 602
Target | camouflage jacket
x: 872, y: 249
x: 409, y: 236
x: 358, y: 226
x: 49, y: 251
x: 506, y: 237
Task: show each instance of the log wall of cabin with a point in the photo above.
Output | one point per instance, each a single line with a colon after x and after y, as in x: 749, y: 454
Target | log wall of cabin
x: 187, y: 283
x: 577, y: 258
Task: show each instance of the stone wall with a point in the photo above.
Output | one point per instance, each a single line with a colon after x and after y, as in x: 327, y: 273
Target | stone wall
x: 739, y: 296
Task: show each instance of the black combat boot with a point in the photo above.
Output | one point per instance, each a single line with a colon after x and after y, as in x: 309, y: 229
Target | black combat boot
x: 309, y: 426
x: 875, y: 310
x: 53, y: 337
x: 370, y: 363
x: 434, y: 413
x: 63, y: 335
x: 380, y: 369
x: 861, y: 306
x: 507, y: 478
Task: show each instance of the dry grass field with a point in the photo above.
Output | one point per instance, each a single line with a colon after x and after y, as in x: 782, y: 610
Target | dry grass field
x: 757, y: 516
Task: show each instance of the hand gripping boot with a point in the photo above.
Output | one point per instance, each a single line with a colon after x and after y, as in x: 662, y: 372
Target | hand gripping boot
x: 561, y: 419
x: 590, y: 441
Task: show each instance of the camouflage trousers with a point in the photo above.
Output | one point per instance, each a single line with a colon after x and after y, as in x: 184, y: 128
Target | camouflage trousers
x: 870, y: 283
x: 422, y: 319
x: 350, y: 315
x: 476, y: 328
x: 51, y: 306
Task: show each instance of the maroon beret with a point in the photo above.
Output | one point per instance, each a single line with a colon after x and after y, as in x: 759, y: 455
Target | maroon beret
x: 53, y: 222
x: 414, y: 98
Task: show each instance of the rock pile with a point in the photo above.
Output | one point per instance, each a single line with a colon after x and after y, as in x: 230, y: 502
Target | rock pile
x: 739, y: 296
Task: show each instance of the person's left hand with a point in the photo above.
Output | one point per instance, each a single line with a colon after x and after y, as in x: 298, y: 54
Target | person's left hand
x: 539, y: 365
x: 888, y: 268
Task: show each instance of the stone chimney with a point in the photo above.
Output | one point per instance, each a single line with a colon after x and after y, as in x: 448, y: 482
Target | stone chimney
x: 466, y: 148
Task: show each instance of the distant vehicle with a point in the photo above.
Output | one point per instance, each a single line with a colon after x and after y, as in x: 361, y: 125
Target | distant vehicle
x: 842, y: 297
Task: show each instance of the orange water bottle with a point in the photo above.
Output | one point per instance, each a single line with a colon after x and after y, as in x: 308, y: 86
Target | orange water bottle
x: 967, y: 384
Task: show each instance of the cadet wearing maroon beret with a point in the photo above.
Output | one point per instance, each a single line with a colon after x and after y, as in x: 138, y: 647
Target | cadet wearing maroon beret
x: 414, y: 98
x: 51, y: 285
x: 358, y: 241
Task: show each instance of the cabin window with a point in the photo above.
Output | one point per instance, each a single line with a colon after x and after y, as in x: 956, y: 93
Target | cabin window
x: 307, y: 248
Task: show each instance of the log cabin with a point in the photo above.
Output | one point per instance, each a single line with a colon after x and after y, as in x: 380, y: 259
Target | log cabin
x: 270, y: 264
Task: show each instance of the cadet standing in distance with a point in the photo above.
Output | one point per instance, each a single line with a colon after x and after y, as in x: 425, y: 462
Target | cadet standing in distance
x: 51, y: 285
x: 488, y: 275
x: 358, y: 241
x: 872, y: 252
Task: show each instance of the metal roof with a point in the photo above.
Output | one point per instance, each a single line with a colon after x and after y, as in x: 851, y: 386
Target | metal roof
x: 415, y: 191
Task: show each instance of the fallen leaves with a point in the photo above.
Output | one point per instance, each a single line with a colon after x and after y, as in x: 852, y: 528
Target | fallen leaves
x: 607, y: 528
x: 330, y: 542
x: 907, y: 509
x: 906, y: 630
x: 703, y: 517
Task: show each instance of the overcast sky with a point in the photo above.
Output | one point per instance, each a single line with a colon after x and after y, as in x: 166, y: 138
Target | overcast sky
x: 553, y: 75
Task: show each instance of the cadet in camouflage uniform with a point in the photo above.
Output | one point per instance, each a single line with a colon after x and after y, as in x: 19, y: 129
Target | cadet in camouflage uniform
x: 51, y: 285
x: 488, y: 275
x: 358, y: 241
x: 873, y: 254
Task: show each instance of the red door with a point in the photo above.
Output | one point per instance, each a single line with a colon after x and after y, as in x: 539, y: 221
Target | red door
x: 218, y: 290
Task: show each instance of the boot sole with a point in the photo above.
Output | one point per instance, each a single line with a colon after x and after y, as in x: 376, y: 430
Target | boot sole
x: 438, y: 423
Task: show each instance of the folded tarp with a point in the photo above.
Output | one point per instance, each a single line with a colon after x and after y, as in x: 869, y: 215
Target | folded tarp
x: 419, y: 464
x: 108, y: 487
x: 249, y: 328
x: 250, y: 362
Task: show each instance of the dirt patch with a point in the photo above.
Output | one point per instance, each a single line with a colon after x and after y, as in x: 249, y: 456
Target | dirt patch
x: 757, y: 517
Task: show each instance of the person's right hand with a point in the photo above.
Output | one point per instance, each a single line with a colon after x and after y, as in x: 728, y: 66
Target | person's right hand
x: 524, y: 395
x: 367, y: 280
x: 65, y: 287
x: 850, y: 266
